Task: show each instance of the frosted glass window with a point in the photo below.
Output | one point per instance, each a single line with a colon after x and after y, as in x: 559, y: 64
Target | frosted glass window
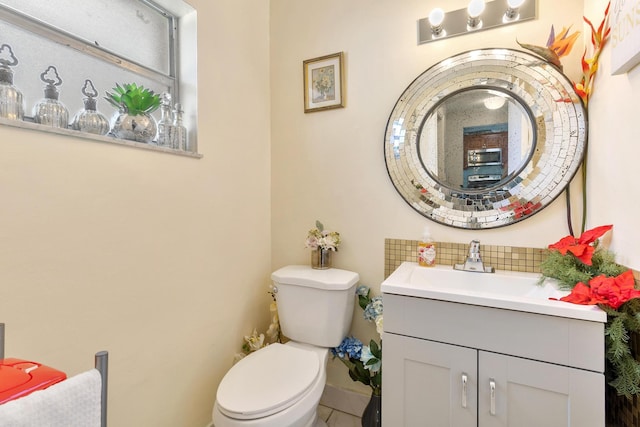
x: 152, y: 43
x: 103, y: 74
x: 134, y: 29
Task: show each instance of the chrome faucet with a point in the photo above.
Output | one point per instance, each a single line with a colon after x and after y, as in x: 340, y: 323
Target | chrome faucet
x: 474, y: 260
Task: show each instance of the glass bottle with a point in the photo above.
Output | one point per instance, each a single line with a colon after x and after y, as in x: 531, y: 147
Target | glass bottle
x: 180, y: 140
x: 165, y: 125
x: 90, y: 120
x: 11, y: 100
x: 49, y: 111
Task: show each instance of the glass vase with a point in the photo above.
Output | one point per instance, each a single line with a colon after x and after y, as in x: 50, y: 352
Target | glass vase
x: 372, y: 415
x: 141, y: 127
x: 11, y: 103
x: 90, y: 120
x: 50, y: 111
x: 166, y: 130
x: 321, y: 259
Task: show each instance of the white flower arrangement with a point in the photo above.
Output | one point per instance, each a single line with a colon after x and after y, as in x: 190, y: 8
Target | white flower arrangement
x: 255, y: 341
x: 319, y: 238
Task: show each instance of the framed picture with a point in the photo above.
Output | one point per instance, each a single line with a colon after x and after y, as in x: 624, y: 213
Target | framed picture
x: 625, y: 36
x: 323, y: 83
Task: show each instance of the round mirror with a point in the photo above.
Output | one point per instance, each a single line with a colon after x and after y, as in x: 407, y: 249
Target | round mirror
x: 485, y: 138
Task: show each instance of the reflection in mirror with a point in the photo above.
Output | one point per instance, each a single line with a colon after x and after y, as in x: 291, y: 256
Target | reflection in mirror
x: 475, y: 139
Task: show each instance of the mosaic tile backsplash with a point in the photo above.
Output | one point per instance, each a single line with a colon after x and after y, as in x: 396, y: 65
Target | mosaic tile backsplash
x: 396, y: 251
x: 510, y: 258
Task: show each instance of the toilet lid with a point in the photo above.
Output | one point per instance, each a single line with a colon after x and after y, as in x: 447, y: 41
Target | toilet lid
x: 267, y: 381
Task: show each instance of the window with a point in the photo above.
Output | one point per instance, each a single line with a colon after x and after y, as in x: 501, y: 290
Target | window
x: 107, y: 41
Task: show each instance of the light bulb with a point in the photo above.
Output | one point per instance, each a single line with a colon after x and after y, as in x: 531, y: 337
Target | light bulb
x: 514, y: 4
x: 512, y: 11
x: 475, y: 8
x: 494, y: 103
x: 436, y: 17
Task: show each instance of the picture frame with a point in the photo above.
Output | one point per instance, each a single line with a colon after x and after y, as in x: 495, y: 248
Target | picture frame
x: 323, y: 82
x: 625, y: 38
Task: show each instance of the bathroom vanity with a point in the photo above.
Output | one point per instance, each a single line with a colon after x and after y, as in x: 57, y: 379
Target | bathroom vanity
x: 466, y: 349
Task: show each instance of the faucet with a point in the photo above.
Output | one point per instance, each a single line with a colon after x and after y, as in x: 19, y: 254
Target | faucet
x: 474, y: 260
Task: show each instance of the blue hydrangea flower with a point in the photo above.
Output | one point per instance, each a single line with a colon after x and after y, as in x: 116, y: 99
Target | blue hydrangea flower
x: 349, y: 347
x: 367, y: 356
x: 373, y: 309
x: 362, y: 290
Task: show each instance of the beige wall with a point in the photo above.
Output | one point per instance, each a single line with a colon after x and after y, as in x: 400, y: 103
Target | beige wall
x: 330, y: 166
x: 162, y: 260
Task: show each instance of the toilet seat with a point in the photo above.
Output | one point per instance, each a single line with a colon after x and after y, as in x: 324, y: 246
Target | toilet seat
x: 267, y: 381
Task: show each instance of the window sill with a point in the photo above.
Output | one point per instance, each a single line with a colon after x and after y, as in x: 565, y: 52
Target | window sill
x: 96, y: 138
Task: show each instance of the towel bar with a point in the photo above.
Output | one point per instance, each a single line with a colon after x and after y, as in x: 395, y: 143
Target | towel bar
x: 101, y: 363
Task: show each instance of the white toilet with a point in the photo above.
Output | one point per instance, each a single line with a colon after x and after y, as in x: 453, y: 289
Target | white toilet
x: 280, y: 385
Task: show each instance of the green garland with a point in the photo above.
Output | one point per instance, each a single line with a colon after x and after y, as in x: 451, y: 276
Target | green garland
x: 622, y: 370
x: 569, y: 270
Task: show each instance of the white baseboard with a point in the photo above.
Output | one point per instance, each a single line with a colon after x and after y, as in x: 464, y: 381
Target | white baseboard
x: 343, y: 400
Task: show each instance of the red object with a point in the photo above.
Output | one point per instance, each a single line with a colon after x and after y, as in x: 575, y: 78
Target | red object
x: 612, y: 291
x: 20, y: 377
x: 581, y: 247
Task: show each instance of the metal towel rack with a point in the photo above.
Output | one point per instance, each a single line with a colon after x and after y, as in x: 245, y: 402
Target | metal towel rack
x: 101, y: 363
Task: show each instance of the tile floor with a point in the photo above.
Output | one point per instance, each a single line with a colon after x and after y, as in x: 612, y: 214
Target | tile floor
x: 335, y: 418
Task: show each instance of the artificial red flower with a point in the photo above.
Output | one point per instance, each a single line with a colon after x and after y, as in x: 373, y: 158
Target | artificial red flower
x: 594, y: 234
x: 611, y: 291
x: 581, y: 294
x: 599, y: 37
x: 581, y: 247
x: 614, y: 291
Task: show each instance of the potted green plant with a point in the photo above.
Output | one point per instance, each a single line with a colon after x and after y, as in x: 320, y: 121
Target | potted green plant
x: 134, y: 121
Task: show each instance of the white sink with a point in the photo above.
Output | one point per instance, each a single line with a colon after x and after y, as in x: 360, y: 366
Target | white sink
x: 502, y: 289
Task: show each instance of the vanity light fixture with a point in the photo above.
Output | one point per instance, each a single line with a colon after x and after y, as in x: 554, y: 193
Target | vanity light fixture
x: 475, y: 9
x: 478, y: 15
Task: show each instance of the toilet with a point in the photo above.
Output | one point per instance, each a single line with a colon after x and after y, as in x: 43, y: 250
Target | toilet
x: 280, y: 385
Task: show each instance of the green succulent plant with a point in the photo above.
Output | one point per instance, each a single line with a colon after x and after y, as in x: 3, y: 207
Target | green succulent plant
x: 133, y: 99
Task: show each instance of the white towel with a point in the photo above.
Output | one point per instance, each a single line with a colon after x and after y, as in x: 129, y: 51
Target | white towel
x: 74, y: 402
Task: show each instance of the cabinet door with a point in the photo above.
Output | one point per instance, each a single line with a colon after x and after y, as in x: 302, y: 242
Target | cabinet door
x: 428, y: 384
x: 519, y: 392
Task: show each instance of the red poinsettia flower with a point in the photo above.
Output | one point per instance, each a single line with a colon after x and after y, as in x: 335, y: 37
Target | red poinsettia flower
x: 580, y: 294
x: 611, y: 291
x: 614, y: 291
x: 581, y: 247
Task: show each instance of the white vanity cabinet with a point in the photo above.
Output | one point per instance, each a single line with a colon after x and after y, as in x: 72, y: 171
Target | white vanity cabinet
x: 448, y: 364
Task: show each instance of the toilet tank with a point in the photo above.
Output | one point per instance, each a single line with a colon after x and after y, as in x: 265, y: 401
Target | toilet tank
x: 315, y: 306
